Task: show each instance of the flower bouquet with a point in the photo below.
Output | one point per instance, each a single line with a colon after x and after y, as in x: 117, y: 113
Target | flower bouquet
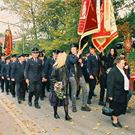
x: 59, y: 90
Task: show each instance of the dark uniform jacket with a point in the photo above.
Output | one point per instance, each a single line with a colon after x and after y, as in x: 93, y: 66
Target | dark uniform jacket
x: 102, y: 65
x: 17, y: 71
x: 48, y: 67
x: 5, y: 70
x: 1, y: 64
x: 71, y: 63
x: 33, y: 70
x: 93, y: 65
x: 11, y: 67
x: 85, y: 71
x: 115, y: 85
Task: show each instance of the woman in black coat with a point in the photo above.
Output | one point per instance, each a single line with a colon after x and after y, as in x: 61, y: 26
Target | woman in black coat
x: 110, y: 58
x: 59, y: 95
x: 118, y: 87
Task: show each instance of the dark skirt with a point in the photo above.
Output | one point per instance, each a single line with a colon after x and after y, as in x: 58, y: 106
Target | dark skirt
x: 118, y: 108
x: 55, y: 101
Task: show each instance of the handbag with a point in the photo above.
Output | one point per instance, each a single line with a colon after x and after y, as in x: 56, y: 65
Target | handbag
x: 107, y: 111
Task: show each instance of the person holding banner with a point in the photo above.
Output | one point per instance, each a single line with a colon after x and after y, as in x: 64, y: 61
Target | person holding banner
x: 76, y: 78
x: 93, y: 70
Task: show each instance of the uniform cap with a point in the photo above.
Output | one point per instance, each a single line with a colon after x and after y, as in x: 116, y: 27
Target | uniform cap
x: 35, y: 50
x: 56, y: 51
x: 13, y: 55
x: 7, y: 58
x: 73, y: 45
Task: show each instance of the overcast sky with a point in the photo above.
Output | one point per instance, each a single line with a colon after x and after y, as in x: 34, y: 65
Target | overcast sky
x: 8, y: 17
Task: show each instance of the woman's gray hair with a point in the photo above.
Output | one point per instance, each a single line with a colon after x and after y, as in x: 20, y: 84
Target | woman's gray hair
x: 119, y: 59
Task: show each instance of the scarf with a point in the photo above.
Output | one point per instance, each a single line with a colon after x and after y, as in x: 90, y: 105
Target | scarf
x: 126, y: 80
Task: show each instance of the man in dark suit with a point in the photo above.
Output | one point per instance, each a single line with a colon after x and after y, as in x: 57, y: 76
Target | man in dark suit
x: 43, y: 57
x: 33, y: 76
x: 102, y: 77
x: 5, y: 73
x: 26, y: 57
x: 2, y: 62
x: 48, y: 67
x: 12, y: 82
x: 93, y: 70
x: 17, y: 75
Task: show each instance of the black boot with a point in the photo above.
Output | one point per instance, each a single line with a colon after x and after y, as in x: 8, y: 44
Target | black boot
x: 56, y: 116
x: 30, y: 104
x: 37, y: 106
x: 19, y: 101
x: 89, y: 99
x: 67, y: 117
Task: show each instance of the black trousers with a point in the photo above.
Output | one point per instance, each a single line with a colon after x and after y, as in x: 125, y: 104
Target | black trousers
x: 48, y: 85
x: 12, y: 87
x: 92, y: 85
x: 2, y: 84
x: 7, y: 85
x: 44, y: 84
x: 34, y: 90
x: 20, y: 90
x: 25, y: 87
x: 102, y: 81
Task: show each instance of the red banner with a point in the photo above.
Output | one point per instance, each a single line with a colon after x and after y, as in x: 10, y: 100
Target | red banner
x: 108, y: 29
x: 88, y: 17
x: 88, y: 23
x: 8, y: 42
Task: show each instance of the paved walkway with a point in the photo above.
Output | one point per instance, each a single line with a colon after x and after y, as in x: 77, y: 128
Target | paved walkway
x: 21, y: 119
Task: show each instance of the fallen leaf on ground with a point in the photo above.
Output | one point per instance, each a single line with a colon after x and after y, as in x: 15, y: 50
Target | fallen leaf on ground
x: 95, y: 128
x: 126, y: 126
x: 98, y: 124
x: 56, y: 129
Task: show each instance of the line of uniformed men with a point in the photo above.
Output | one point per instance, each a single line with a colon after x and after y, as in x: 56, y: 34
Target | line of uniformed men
x: 33, y: 74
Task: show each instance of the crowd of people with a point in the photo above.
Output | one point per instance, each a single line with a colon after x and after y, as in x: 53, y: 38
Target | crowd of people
x: 65, y: 77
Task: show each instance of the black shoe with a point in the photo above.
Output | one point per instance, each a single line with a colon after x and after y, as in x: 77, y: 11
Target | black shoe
x: 115, y: 124
x: 119, y: 124
x: 19, y: 101
x: 89, y: 101
x: 85, y: 108
x: 30, y: 103
x: 37, y: 106
x: 67, y: 117
x: 56, y: 116
x: 7, y: 93
x: 74, y: 109
x: 2, y: 91
x: 101, y: 103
